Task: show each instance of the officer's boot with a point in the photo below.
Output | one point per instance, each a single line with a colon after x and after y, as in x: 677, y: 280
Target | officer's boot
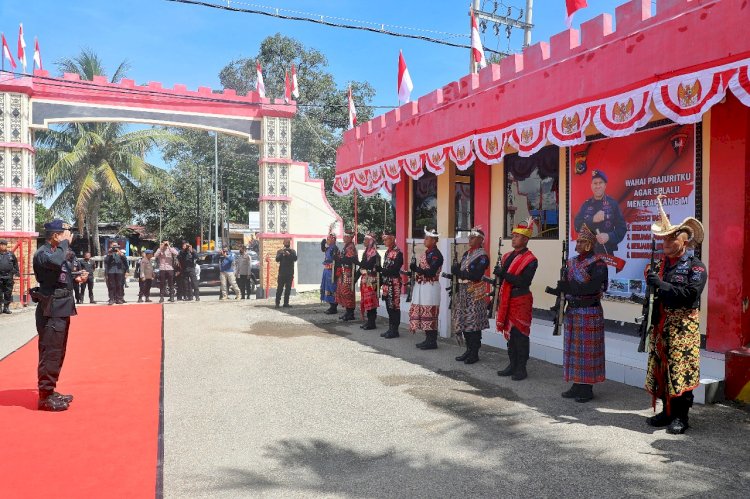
x: 571, y: 392
x: 476, y: 344
x: 6, y: 308
x: 390, y: 323
x: 585, y: 392
x: 49, y: 402
x: 395, y: 321
x: 371, y: 316
x: 421, y: 344
x: 511, y: 367
x: 431, y: 341
x: 522, y: 356
x: 332, y: 309
x: 467, y: 342
x: 349, y: 315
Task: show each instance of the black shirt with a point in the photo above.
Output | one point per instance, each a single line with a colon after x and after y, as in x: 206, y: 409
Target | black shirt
x: 88, y: 266
x: 187, y: 259
x: 683, y: 282
x: 115, y: 264
x: 434, y: 261
x: 392, y: 266
x: 286, y: 258
x: 8, y: 264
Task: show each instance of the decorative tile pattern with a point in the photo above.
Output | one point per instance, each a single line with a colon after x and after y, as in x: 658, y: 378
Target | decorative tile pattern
x: 271, y: 216
x: 271, y: 180
x: 283, y: 180
x: 270, y: 130
x: 2, y: 212
x: 2, y: 166
x: 15, y: 118
x: 16, y: 168
x: 30, y: 214
x: 284, y: 218
x: 2, y: 118
x: 16, y: 212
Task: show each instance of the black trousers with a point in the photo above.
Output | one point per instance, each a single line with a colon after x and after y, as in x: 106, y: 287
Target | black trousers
x: 116, y: 287
x: 245, y: 282
x: 53, y: 341
x: 189, y: 284
x: 284, y: 284
x: 680, y: 406
x: 144, y: 288
x: 89, y: 284
x: 6, y: 290
x: 166, y: 283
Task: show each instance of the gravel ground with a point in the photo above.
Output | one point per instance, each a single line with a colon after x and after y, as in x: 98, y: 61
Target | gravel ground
x: 261, y: 402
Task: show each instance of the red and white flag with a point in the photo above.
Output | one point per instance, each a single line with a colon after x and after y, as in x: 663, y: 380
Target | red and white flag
x: 21, y: 47
x: 7, y: 54
x: 405, y: 86
x: 572, y: 6
x: 287, y: 88
x: 260, y: 87
x: 37, y: 54
x: 295, y: 86
x: 476, y: 43
x: 352, y: 110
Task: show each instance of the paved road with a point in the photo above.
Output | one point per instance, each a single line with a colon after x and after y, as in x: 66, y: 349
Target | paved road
x: 262, y: 402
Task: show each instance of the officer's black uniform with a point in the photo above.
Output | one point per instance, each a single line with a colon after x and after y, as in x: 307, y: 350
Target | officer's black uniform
x: 188, y: 281
x: 115, y: 266
x: 88, y: 266
x: 286, y: 258
x: 8, y: 269
x: 56, y: 305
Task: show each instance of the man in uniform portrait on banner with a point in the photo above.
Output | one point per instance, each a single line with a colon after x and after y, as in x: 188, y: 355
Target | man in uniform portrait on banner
x: 601, y: 213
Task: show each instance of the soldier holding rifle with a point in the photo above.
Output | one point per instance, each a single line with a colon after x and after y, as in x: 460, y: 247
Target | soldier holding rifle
x: 391, y: 288
x: 515, y: 272
x: 469, y: 309
x: 678, y: 279
x: 369, y: 284
x: 346, y: 262
x: 425, y: 303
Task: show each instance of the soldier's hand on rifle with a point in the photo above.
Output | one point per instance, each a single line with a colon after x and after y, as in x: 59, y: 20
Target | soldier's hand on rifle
x: 413, y: 267
x: 455, y: 268
x: 652, y: 279
x: 563, y: 286
x: 499, y: 272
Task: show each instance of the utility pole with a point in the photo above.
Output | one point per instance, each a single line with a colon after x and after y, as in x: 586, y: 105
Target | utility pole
x: 506, y: 21
x: 216, y: 186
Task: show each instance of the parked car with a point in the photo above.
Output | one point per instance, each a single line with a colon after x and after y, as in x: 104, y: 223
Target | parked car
x: 208, y: 275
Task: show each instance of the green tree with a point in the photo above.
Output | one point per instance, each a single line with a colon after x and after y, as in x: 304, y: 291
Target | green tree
x: 85, y: 165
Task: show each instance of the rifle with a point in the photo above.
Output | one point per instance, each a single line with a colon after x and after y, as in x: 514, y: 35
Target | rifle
x: 378, y: 277
x: 559, y: 308
x: 646, y: 319
x: 453, y: 288
x: 411, y: 274
x: 495, y: 281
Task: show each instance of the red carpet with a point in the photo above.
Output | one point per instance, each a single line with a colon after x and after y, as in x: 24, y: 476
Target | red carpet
x: 107, y: 443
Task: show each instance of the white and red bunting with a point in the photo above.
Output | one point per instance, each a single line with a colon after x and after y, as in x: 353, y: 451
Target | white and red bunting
x: 343, y: 184
x: 461, y: 152
x: 623, y: 114
x: 435, y: 159
x: 490, y: 146
x: 568, y: 128
x: 413, y: 165
x: 392, y: 171
x: 739, y: 83
x: 528, y: 137
x: 686, y: 98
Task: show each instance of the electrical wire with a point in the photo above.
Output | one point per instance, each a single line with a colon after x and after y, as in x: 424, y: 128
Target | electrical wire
x: 322, y: 21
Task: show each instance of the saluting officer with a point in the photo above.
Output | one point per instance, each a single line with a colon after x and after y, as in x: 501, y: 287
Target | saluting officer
x: 55, y: 305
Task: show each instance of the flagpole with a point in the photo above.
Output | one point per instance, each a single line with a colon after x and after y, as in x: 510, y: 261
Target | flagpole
x: 356, y: 218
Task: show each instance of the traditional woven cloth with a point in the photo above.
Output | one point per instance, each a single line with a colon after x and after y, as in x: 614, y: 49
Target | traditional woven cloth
x: 391, y: 288
x: 344, y: 286
x: 327, y: 283
x: 514, y: 312
x: 368, y: 298
x: 583, y: 355
x: 469, y: 311
x: 674, y: 358
x: 425, y: 300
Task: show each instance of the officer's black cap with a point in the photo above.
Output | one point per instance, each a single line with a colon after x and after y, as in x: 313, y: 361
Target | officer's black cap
x: 3, y: 241
x: 599, y: 174
x: 56, y: 225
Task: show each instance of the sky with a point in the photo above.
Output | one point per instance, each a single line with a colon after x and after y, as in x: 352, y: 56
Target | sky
x: 177, y: 43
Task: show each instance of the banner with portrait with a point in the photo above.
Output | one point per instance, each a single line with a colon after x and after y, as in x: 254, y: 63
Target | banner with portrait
x: 613, y: 187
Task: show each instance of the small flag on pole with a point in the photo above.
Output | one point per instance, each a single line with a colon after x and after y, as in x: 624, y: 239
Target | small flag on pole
x: 405, y: 86
x: 21, y: 47
x: 572, y: 6
x: 476, y: 43
x: 352, y: 110
x: 287, y: 88
x: 260, y: 87
x: 37, y: 54
x: 295, y: 86
x: 7, y: 54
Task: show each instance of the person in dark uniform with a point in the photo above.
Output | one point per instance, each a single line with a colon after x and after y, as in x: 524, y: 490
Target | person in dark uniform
x: 285, y: 257
x: 601, y: 213
x: 55, y: 306
x: 88, y: 265
x: 75, y: 267
x: 515, y: 271
x: 390, y: 272
x: 187, y: 259
x: 115, y: 266
x: 8, y: 270
x: 678, y: 279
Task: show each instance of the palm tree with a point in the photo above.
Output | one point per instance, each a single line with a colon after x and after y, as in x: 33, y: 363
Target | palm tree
x: 82, y: 165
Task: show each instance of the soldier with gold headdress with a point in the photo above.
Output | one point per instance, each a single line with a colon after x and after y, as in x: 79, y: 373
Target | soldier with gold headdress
x: 678, y: 280
x: 346, y: 262
x: 328, y: 281
x: 516, y: 270
x: 425, y: 301
x: 470, y: 303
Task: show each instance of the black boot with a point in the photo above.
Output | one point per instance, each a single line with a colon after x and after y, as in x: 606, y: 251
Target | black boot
x: 431, y: 342
x: 371, y: 315
x: 585, y: 393
x: 571, y: 392
x: 332, y: 309
x: 423, y: 343
x: 511, y: 367
x: 390, y: 323
x: 349, y: 315
x: 522, y: 356
x: 476, y: 344
x: 6, y: 309
x: 395, y: 322
x: 467, y: 341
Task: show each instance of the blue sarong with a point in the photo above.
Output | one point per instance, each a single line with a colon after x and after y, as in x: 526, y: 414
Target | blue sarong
x: 327, y: 287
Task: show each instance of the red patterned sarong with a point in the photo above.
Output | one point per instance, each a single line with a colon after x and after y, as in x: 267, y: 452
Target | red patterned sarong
x: 344, y: 288
x: 392, y: 292
x: 368, y: 299
x: 514, y: 312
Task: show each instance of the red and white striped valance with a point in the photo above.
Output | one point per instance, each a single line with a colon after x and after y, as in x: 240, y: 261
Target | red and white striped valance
x: 683, y: 99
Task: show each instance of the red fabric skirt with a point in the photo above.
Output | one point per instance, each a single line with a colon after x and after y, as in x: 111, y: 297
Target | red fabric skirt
x: 517, y: 314
x: 344, y: 291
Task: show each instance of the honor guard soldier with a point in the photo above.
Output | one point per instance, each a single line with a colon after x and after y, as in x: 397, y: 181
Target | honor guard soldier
x: 674, y: 341
x: 583, y: 351
x: 328, y: 281
x: 369, y: 283
x: 55, y: 305
x: 8, y: 270
x: 601, y: 213
x: 425, y: 301
x: 513, y: 319
x: 470, y: 303
x: 286, y: 257
x: 391, y: 287
x: 348, y: 259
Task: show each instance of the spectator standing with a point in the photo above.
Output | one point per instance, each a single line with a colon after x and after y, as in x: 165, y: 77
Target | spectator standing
x: 88, y: 265
x: 166, y: 256
x: 226, y: 266
x: 253, y: 244
x: 145, y: 273
x: 8, y: 270
x: 188, y: 259
x: 115, y: 267
x: 244, y: 272
x: 74, y: 266
x: 286, y: 257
